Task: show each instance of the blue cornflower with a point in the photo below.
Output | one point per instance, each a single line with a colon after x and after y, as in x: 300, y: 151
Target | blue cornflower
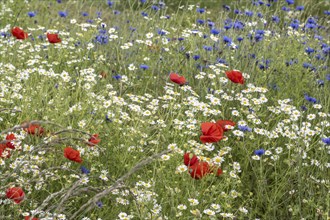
x: 276, y: 19
x: 117, y: 77
x: 110, y: 3
x: 102, y: 39
x: 84, y: 170
x: 210, y: 24
x: 85, y: 14
x: 31, y: 14
x: 236, y: 11
x: 258, y: 37
x: 98, y: 14
x: 259, y: 14
x: 107, y: 118
x: 326, y: 12
x: 196, y: 57
x: 290, y: 2
x: 238, y: 25
x: 327, y: 77
x: 200, y: 21
x: 307, y: 65
x: 249, y: 13
x: 59, y: 1
x: 144, y: 14
x: 326, y: 140
x: 239, y: 39
x: 303, y: 108
x: 295, y: 24
x: 309, y: 50
x: 144, y: 66
x: 143, y: 1
x: 320, y: 82
x: 90, y: 21
x: 63, y: 14
x: 300, y: 8
x: 318, y: 37
x: 215, y: 31
x: 310, y: 99
x: 116, y: 12
x: 259, y: 152
x: 228, y: 25
x: 200, y: 10
x: 161, y: 32
x: 285, y: 8
x: 161, y: 4
x: 226, y: 7
x: 207, y: 48
x: 244, y: 128
x: 99, y: 204
x: 222, y: 61
x: 155, y: 8
x: 227, y: 40
x: 326, y: 50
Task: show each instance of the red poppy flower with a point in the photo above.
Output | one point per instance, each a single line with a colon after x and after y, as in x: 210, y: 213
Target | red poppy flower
x: 53, y: 38
x: 211, y: 132
x: 219, y: 172
x: 19, y: 33
x: 223, y: 123
x: 72, y: 154
x: 177, y: 79
x: 189, y: 161
x: 16, y: 194
x: 199, y: 170
x: 34, y: 129
x: 10, y: 137
x: 235, y: 76
x: 29, y: 218
x: 3, y: 149
x: 94, y: 140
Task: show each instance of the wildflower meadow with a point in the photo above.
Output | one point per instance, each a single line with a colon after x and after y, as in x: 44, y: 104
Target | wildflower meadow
x: 148, y: 109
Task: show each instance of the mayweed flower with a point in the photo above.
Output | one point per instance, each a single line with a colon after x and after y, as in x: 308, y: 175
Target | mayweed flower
x: 259, y: 152
x: 224, y: 124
